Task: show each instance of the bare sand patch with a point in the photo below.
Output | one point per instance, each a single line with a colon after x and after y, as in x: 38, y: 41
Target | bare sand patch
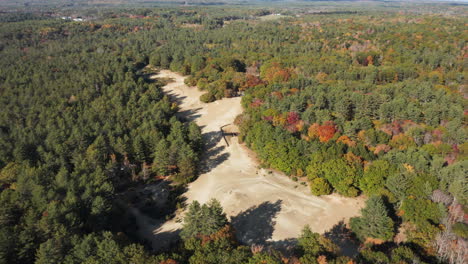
x: 264, y: 206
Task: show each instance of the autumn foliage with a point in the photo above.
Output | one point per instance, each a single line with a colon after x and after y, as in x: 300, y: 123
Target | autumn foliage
x: 252, y: 81
x: 323, y: 132
x: 169, y: 261
x: 346, y: 140
x: 292, y: 118
x: 227, y: 232
x: 275, y: 73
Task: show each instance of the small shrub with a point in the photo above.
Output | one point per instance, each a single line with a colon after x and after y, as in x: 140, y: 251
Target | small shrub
x: 207, y: 98
x: 320, y: 186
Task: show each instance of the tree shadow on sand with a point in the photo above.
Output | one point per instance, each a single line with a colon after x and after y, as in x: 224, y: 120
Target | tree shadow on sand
x: 287, y: 247
x: 179, y: 99
x: 256, y: 224
x: 344, y: 239
x: 211, y: 139
x: 164, y: 241
x: 146, y: 230
x: 189, y: 115
x: 213, y: 154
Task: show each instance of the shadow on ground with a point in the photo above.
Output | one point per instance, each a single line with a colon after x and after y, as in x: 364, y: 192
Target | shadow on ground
x: 175, y: 98
x: 344, y: 239
x: 213, y: 155
x: 142, y: 228
x: 164, y: 241
x: 146, y: 208
x: 189, y: 115
x: 256, y: 224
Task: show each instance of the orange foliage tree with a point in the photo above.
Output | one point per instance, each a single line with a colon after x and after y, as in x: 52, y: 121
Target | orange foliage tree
x: 312, y: 132
x: 275, y: 73
x: 402, y: 142
x: 324, y: 132
x: 346, y: 140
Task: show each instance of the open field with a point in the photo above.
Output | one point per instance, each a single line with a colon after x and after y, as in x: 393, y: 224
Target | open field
x: 264, y: 206
x: 272, y: 17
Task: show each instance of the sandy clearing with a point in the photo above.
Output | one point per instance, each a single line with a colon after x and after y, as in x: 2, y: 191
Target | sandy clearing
x: 263, y: 206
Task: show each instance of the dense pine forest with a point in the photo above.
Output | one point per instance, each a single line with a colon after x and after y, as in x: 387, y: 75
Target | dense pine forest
x: 359, y: 102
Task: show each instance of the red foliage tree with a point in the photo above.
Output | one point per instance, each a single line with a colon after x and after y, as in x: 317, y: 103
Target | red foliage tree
x: 326, y: 131
x: 292, y: 118
x: 292, y: 121
x: 256, y: 103
x: 253, y: 81
x: 169, y: 261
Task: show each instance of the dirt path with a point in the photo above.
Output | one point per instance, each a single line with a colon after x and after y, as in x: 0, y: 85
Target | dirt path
x: 263, y: 206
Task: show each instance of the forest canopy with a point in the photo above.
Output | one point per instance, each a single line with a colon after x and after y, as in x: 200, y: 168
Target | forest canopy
x: 351, y: 101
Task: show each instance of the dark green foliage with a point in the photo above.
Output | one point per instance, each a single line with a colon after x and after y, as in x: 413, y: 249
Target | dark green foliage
x: 371, y: 257
x: 311, y: 245
x: 400, y: 254
x: 309, y: 242
x: 374, y: 222
x: 104, y: 248
x: 220, y: 248
x: 403, y: 255
x: 377, y: 119
x: 209, y: 237
x: 270, y: 258
x: 341, y: 175
x: 266, y: 141
x: 203, y: 219
x: 455, y: 181
x: 421, y: 211
x: 212, y: 254
x: 162, y: 160
x: 194, y: 136
x: 79, y: 121
x: 361, y: 102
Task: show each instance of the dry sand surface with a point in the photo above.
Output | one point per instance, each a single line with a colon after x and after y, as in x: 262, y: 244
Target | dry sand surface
x: 264, y: 206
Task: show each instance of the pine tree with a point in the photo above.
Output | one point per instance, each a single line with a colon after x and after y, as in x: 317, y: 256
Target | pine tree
x: 203, y: 220
x: 139, y: 149
x: 161, y: 158
x: 49, y: 252
x: 309, y: 242
x: 374, y: 222
x: 195, y: 137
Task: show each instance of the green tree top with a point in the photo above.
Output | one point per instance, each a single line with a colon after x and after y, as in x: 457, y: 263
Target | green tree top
x: 374, y: 222
x: 203, y: 219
